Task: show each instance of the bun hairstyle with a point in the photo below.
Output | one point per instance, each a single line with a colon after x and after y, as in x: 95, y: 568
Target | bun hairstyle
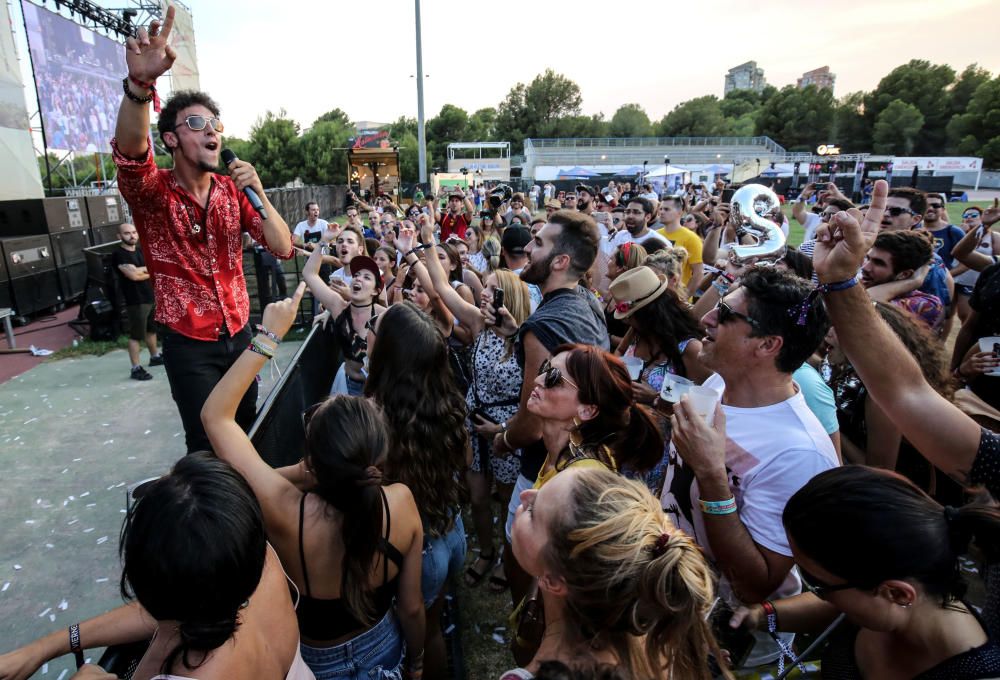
x: 490, y: 249
x: 630, y: 430
x: 830, y: 520
x: 346, y: 443
x: 630, y: 574
x: 193, y: 550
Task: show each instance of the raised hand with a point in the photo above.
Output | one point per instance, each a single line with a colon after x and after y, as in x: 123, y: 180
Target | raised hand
x: 278, y: 316
x: 149, y: 55
x: 992, y: 215
x: 841, y: 245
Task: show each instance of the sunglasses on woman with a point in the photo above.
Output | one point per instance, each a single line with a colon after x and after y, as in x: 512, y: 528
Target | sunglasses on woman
x: 198, y: 123
x: 819, y: 588
x: 554, y: 376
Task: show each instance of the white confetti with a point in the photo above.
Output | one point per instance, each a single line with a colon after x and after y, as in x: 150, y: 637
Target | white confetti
x: 84, y: 494
x: 77, y: 460
x: 102, y: 539
x: 29, y: 521
x: 147, y: 431
x: 104, y: 424
x: 63, y: 674
x: 72, y: 522
x: 90, y: 505
x: 72, y: 498
x: 52, y: 618
x: 87, y: 531
x: 44, y: 613
x: 131, y: 457
x: 6, y: 585
x: 63, y: 606
x: 177, y: 434
x: 17, y: 567
x: 45, y: 669
x: 499, y: 639
x: 119, y: 485
x: 110, y: 441
x: 49, y: 545
x: 29, y: 420
x: 64, y: 471
x: 103, y: 579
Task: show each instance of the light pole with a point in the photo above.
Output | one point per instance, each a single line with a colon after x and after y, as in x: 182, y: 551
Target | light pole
x: 666, y: 171
x: 421, y: 132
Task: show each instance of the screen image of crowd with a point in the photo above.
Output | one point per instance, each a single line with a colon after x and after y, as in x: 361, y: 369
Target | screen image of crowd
x: 78, y: 78
x: 716, y: 455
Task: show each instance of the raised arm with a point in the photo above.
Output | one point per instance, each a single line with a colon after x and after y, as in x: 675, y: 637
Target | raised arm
x: 228, y: 439
x: 330, y: 299
x: 147, y: 56
x: 965, y: 250
x: 128, y: 623
x: 939, y: 430
x: 468, y: 315
x: 800, y: 209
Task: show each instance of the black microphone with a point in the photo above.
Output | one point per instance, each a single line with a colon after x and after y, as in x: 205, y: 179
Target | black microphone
x: 228, y: 157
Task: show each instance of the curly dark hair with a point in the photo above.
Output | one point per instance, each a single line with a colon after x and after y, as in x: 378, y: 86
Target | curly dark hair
x: 179, y: 101
x: 923, y: 344
x: 412, y: 380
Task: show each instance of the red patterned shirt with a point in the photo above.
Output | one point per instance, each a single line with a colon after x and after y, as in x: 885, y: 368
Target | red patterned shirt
x: 195, y: 260
x: 454, y: 225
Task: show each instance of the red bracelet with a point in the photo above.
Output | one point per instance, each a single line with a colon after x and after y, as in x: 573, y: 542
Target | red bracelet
x: 152, y: 90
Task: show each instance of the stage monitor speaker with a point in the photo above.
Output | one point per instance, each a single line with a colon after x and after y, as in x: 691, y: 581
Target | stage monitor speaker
x: 27, y: 255
x: 105, y: 209
x: 107, y: 233
x: 42, y: 216
x: 72, y: 281
x: 68, y: 246
x: 100, y: 314
x: 35, y: 292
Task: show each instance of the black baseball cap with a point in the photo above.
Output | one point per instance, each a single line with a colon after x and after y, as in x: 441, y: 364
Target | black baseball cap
x: 589, y: 189
x: 514, y: 239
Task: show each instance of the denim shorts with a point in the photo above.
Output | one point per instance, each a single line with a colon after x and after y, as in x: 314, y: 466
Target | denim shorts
x: 444, y: 556
x: 376, y: 654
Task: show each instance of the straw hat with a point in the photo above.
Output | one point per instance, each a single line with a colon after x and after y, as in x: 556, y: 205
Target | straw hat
x: 635, y: 289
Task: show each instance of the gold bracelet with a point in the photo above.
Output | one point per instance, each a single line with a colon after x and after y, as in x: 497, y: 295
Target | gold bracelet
x: 505, y: 442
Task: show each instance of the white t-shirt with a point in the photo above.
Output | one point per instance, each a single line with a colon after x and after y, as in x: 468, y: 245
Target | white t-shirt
x: 771, y: 452
x: 625, y: 236
x: 303, y: 228
x: 343, y: 274
x: 810, y: 226
x: 651, y: 196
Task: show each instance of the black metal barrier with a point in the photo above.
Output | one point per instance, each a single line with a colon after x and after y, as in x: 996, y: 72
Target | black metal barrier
x: 277, y: 433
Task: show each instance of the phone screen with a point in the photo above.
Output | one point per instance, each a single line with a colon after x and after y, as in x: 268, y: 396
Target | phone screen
x: 727, y: 195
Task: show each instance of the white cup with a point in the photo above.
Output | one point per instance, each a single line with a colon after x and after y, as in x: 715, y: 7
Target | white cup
x: 988, y: 344
x: 634, y: 366
x: 674, y: 387
x: 704, y: 400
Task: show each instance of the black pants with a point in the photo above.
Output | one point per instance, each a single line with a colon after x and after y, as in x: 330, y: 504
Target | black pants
x: 193, y: 369
x: 271, y: 279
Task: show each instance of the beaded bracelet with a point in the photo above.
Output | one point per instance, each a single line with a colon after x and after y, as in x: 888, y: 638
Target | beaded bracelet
x: 153, y: 95
x: 260, y: 328
x: 726, y: 507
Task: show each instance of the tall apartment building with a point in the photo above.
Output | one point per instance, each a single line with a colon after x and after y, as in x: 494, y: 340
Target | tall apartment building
x: 820, y: 77
x: 746, y: 76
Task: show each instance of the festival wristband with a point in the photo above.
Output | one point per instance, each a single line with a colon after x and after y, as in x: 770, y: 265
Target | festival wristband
x: 772, y: 615
x: 260, y: 328
x: 74, y: 643
x: 726, y: 507
x: 259, y: 348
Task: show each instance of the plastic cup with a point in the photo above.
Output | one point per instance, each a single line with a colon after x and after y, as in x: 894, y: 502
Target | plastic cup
x: 674, y: 387
x: 703, y: 400
x: 634, y: 366
x: 991, y: 344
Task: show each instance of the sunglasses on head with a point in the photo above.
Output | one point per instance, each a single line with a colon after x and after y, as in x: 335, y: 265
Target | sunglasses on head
x: 553, y: 376
x: 727, y: 314
x: 198, y: 123
x: 896, y: 211
x: 970, y: 216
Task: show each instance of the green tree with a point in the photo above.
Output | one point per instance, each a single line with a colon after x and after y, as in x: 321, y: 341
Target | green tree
x: 579, y: 126
x: 482, y: 125
x: 698, y: 117
x: 324, y: 152
x: 335, y: 116
x: 850, y: 128
x: 536, y: 109
x: 630, y: 120
x: 448, y: 126
x: 925, y: 86
x: 978, y: 129
x: 797, y: 118
x: 275, y: 149
x: 739, y: 103
x: 897, y: 128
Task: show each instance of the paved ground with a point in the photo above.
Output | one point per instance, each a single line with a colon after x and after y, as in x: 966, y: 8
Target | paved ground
x: 74, y: 434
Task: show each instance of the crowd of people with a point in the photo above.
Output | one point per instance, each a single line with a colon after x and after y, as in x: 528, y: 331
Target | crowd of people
x: 698, y: 456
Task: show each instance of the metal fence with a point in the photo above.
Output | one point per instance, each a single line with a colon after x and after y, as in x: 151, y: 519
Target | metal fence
x: 583, y: 142
x: 291, y: 202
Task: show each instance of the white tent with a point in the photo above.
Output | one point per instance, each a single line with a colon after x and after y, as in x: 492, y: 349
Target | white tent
x: 663, y: 171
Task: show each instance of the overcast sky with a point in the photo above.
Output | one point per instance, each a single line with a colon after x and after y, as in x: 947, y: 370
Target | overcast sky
x: 309, y: 56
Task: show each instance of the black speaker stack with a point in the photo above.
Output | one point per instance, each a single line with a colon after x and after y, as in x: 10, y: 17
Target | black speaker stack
x: 43, y: 242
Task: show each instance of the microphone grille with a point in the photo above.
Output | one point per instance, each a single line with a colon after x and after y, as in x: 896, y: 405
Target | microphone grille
x: 228, y: 156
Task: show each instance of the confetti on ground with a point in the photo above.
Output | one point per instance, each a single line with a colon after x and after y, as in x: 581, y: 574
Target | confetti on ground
x: 102, y: 539
x: 45, y: 669
x: 49, y: 545
x: 44, y: 613
x: 91, y: 505
x: 103, y: 579
x: 84, y: 494
x: 77, y: 460
x: 29, y: 521
x: 499, y: 639
x: 147, y: 431
x: 63, y: 606
x: 52, y: 618
x: 72, y: 522
x: 110, y: 441
x: 63, y: 674
x: 17, y: 567
x: 87, y: 531
x: 29, y: 420
x: 6, y: 585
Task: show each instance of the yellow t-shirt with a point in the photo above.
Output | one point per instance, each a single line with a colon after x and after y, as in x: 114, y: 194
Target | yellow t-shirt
x: 549, y: 470
x: 689, y: 241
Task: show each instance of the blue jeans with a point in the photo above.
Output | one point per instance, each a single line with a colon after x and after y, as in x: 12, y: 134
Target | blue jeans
x: 443, y: 557
x: 376, y: 654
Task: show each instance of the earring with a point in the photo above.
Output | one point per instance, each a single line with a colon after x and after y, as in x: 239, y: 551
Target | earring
x: 575, y: 436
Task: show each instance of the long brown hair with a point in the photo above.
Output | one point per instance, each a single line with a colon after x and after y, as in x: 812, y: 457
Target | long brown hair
x: 629, y: 429
x: 411, y: 379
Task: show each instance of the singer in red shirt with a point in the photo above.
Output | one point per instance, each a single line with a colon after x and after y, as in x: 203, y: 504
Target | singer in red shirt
x: 191, y: 223
x: 457, y: 217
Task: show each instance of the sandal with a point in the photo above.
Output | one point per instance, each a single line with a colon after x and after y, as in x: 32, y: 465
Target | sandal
x: 473, y: 577
x: 498, y: 583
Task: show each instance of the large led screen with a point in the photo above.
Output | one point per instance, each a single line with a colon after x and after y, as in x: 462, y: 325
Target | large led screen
x: 78, y: 74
